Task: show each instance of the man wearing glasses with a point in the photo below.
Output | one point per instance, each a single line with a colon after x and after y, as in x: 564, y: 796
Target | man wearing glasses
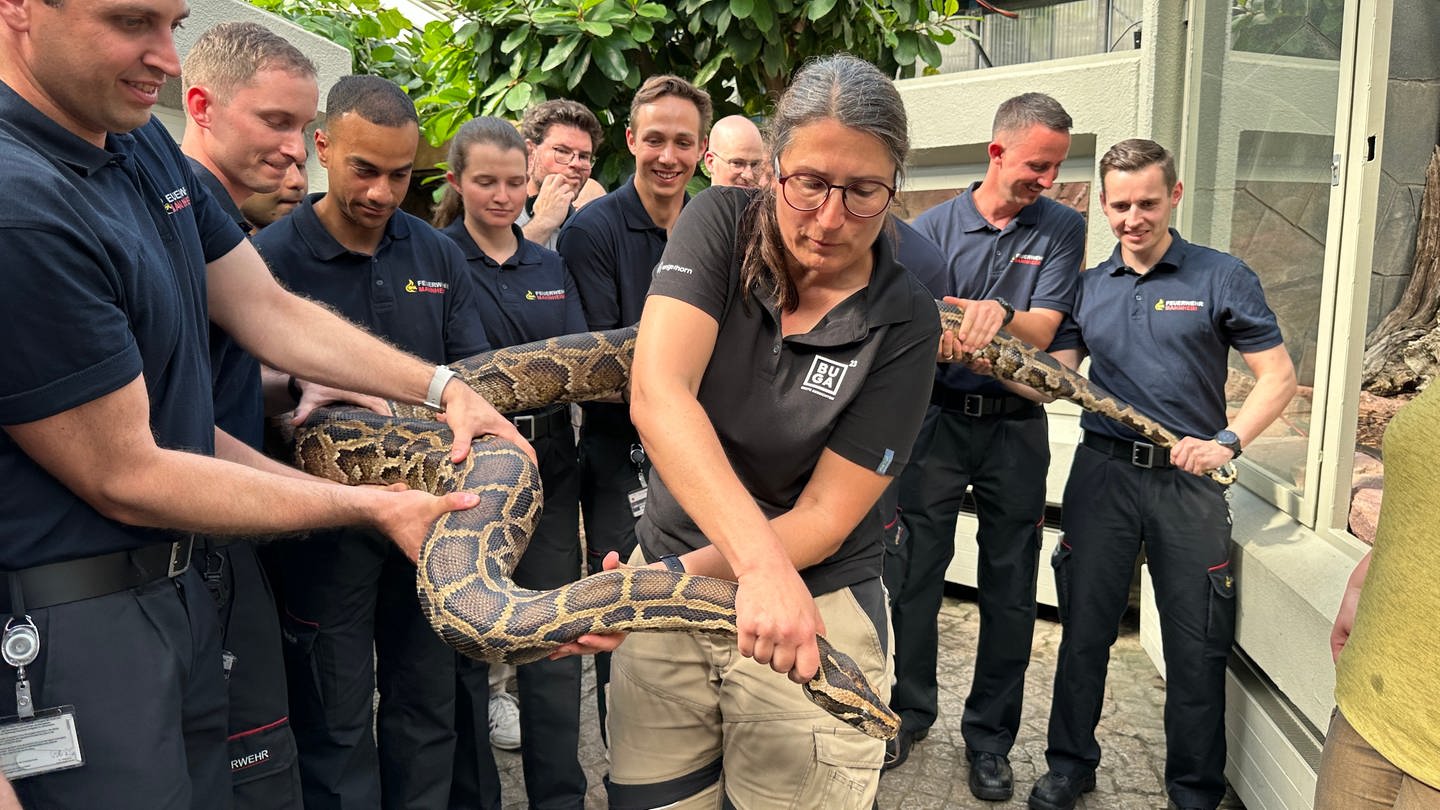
x: 736, y: 156
x: 1013, y: 261
x: 561, y: 137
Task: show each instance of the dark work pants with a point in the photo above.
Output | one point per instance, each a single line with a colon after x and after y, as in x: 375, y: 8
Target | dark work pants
x: 607, y: 477
x: 549, y: 690
x: 353, y: 624
x: 263, y: 763
x: 142, y: 669
x: 1112, y: 510
x: 1004, y: 459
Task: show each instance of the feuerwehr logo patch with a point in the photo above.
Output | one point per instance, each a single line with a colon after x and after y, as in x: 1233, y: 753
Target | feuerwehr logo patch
x: 420, y: 285
x: 177, y: 200
x: 824, y: 377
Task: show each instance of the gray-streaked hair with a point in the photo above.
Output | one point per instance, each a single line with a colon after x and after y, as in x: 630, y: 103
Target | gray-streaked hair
x: 1025, y: 110
x: 486, y: 130
x: 841, y: 88
x: 229, y: 56
x: 1135, y: 154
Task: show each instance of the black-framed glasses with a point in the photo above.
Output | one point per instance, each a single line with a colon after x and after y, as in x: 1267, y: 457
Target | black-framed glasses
x: 565, y: 156
x: 807, y: 192
x: 739, y: 165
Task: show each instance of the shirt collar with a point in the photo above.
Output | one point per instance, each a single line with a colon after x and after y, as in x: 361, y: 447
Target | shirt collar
x: 972, y: 220
x: 326, y: 247
x: 633, y: 208
x: 885, y: 300
x: 55, y: 141
x: 1173, y: 259
x: 526, y: 252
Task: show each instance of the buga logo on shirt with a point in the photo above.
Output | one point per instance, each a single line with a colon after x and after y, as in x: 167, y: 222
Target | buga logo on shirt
x: 1162, y: 305
x: 1035, y: 259
x: 177, y: 200
x: 544, y: 295
x: 423, y: 286
x: 824, y: 377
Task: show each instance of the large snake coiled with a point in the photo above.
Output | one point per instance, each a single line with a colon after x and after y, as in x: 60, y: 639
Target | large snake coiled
x: 465, y: 565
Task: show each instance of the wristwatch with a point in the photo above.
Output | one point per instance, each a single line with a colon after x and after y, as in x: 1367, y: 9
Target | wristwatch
x: 1227, y: 439
x: 436, y: 392
x: 1009, y: 310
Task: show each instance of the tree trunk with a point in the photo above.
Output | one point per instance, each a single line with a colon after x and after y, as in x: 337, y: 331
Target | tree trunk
x: 1403, y: 352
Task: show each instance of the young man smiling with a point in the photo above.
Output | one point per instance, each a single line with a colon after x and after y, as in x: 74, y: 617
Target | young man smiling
x: 611, y: 247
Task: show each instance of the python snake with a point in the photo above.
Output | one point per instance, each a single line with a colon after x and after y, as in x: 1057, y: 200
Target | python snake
x: 464, y: 571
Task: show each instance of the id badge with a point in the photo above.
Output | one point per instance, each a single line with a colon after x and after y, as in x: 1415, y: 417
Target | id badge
x: 45, y: 743
x: 637, y: 501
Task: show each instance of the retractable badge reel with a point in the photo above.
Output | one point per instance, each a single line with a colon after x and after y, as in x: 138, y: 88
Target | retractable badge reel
x: 20, y: 646
x: 638, y: 496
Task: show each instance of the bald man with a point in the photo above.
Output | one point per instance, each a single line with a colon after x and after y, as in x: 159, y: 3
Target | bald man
x: 736, y: 156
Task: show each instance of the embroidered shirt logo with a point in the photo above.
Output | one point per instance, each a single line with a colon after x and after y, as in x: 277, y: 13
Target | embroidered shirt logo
x: 1028, y: 258
x: 177, y: 200
x: 673, y: 268
x: 544, y: 295
x: 1163, y: 305
x: 824, y: 377
x: 423, y: 286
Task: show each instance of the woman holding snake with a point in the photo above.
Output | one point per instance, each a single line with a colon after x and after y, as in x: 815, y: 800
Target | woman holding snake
x: 781, y: 372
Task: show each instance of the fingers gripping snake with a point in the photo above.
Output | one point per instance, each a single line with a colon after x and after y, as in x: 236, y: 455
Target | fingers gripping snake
x: 465, y: 566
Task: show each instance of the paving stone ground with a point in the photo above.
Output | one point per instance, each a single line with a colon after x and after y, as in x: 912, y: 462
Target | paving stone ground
x: 1131, y: 735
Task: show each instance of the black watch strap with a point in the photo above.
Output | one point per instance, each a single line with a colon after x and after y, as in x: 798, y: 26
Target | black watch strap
x: 673, y: 562
x: 1009, y: 311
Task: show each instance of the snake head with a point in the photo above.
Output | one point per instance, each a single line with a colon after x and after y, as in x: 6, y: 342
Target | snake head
x: 841, y: 688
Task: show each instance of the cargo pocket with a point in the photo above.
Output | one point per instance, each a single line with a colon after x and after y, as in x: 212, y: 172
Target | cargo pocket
x: 844, y: 770
x: 1060, y: 561
x: 261, y: 752
x: 1220, y: 624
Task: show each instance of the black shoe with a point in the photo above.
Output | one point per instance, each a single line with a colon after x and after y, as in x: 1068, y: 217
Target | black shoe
x: 898, y: 749
x: 990, y: 777
x: 1056, y: 791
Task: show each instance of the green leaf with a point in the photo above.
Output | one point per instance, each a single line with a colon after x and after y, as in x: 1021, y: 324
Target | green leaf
x: 819, y: 8
x: 609, y: 59
x: 519, y: 97
x: 485, y: 40
x: 600, y: 30
x: 653, y: 11
x: 929, y: 51
x: 578, y: 70
x: 382, y: 53
x: 745, y: 49
x: 904, y: 12
x: 763, y: 16
x: 722, y: 23
x: 741, y: 9
x: 561, y: 52
x: 642, y: 30
x: 515, y: 38
x: 710, y: 68
x: 907, y: 48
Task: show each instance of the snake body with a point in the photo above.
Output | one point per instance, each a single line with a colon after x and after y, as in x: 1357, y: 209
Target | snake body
x: 464, y: 573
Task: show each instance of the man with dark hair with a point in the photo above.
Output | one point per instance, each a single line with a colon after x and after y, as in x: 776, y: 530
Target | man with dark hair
x: 110, y: 456
x: 353, y: 622
x: 1158, y: 320
x: 262, y: 210
x: 248, y: 96
x: 1013, y: 259
x: 561, y: 137
x: 611, y: 247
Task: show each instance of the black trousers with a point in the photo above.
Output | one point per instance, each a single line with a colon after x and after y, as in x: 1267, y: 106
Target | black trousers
x: 142, y: 669
x: 549, y: 690
x: 1113, y: 510
x: 607, y: 477
x: 352, y: 625
x: 1004, y: 460
x: 263, y: 763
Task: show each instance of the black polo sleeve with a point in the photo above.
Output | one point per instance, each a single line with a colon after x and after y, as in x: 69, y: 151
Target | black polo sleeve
x: 1244, y: 317
x: 592, y: 260
x: 574, y: 308
x: 700, y: 265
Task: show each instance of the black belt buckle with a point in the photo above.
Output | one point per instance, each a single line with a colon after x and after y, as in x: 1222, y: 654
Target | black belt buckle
x: 180, y: 557
x: 978, y: 403
x: 521, y: 422
x: 1142, y: 450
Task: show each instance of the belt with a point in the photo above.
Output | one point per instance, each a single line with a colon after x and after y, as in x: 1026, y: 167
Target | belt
x: 89, y: 577
x: 542, y: 422
x: 1141, y: 454
x: 979, y: 405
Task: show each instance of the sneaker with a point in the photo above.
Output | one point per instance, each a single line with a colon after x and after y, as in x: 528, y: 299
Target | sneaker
x: 504, y: 721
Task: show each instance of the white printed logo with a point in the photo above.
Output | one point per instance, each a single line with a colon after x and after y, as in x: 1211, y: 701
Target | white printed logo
x: 824, y: 377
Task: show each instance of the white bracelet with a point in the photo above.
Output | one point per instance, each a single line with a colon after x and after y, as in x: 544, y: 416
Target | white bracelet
x: 443, y: 375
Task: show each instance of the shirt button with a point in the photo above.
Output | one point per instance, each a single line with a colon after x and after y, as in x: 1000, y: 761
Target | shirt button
x: 776, y: 349
x: 504, y: 286
x: 379, y: 282
x: 1137, y: 296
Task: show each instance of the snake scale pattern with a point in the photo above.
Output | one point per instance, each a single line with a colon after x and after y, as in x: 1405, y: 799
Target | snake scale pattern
x: 464, y: 573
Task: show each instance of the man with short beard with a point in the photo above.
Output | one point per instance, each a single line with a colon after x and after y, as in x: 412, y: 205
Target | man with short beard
x: 561, y: 137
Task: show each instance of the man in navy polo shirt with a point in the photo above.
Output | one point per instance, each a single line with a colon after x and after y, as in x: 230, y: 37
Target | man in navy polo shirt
x: 611, y: 247
x: 353, y: 621
x: 108, y: 422
x: 1013, y: 258
x: 1158, y: 319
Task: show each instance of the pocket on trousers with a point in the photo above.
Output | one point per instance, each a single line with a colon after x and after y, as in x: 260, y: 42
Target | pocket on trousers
x: 1220, y: 624
x: 261, y: 752
x: 844, y: 769
x: 1060, y: 561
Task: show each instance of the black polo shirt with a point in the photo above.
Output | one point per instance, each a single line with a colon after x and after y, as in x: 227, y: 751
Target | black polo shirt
x: 104, y: 255
x: 531, y: 293
x: 1161, y: 341
x: 611, y: 247
x: 414, y: 291
x: 1034, y: 262
x: 857, y: 383
x: 234, y: 372
x: 922, y: 258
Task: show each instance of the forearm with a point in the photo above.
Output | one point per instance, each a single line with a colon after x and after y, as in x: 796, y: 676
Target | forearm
x: 276, y: 387
x: 538, y: 232
x: 1266, y: 401
x: 229, y: 448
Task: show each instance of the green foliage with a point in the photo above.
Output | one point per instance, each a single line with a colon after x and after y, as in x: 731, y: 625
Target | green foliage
x: 496, y: 57
x: 1310, y: 28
